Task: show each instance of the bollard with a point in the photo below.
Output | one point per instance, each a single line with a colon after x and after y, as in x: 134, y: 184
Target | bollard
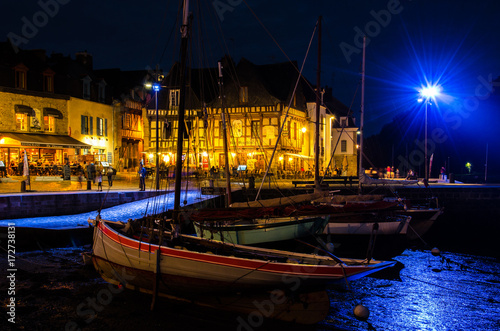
x: 23, y: 186
x: 251, y: 182
x: 89, y: 184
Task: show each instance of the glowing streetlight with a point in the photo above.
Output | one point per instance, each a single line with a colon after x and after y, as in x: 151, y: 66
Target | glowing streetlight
x: 428, y: 94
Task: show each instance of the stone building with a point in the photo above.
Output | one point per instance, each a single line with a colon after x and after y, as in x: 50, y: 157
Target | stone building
x: 39, y: 99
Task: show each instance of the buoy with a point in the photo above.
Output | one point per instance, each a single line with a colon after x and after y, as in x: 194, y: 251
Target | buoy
x: 435, y: 251
x: 330, y: 247
x: 361, y: 312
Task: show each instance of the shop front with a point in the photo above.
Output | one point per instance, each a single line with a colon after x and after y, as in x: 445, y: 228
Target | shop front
x: 43, y: 151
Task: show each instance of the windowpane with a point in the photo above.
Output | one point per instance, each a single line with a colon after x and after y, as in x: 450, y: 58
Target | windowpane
x: 343, y: 146
x: 49, y: 123
x: 22, y: 122
x: 255, y: 129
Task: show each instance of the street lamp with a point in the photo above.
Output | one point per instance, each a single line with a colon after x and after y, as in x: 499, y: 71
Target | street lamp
x: 156, y: 88
x: 428, y: 94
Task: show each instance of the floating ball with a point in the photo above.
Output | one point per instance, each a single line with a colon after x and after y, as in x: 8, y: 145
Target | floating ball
x: 361, y: 312
x: 435, y: 251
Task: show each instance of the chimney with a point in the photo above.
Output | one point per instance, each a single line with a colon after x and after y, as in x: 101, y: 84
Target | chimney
x: 85, y: 59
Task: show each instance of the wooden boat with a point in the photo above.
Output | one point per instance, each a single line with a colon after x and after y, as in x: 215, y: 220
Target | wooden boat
x: 213, y: 273
x: 264, y: 230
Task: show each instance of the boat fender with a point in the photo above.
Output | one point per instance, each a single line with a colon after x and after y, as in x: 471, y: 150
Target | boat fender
x: 435, y: 251
x: 361, y: 312
x: 330, y: 247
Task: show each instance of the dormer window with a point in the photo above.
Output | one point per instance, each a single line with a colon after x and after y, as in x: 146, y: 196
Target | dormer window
x: 101, y: 93
x: 343, y: 122
x: 86, y: 87
x: 174, y: 98
x: 21, y: 72
x: 48, y: 81
x: 243, y: 95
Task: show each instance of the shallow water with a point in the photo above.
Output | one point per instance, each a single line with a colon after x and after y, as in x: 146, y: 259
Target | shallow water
x: 447, y: 292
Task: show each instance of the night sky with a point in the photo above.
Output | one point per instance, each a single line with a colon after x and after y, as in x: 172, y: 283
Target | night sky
x: 411, y: 42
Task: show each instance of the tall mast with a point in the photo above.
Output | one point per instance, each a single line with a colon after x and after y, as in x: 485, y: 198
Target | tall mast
x: 360, y: 167
x: 224, y: 133
x: 182, y: 106
x: 318, y: 87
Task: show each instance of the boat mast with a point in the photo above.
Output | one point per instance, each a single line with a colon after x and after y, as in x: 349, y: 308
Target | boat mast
x: 224, y: 133
x: 182, y: 106
x: 318, y: 86
x: 360, y: 167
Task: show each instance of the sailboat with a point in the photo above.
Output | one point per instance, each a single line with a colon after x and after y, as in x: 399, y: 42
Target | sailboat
x: 144, y: 255
x: 257, y: 223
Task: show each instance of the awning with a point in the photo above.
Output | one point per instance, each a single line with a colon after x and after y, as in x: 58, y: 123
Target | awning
x: 45, y: 140
x: 53, y: 112
x: 23, y: 109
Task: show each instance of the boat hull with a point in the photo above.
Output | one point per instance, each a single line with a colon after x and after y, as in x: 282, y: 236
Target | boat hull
x: 362, y: 239
x: 268, y: 230
x: 308, y: 307
x: 185, y: 271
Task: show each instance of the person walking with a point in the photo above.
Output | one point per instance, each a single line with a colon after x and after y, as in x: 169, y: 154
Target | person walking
x: 110, y: 174
x: 142, y: 178
x: 92, y: 172
x: 80, y: 179
x: 99, y: 181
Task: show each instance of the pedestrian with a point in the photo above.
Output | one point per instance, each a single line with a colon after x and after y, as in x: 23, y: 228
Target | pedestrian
x: 99, y: 181
x: 110, y: 174
x: 142, y: 178
x: 80, y: 179
x: 89, y: 172
x: 442, y: 173
x: 92, y: 172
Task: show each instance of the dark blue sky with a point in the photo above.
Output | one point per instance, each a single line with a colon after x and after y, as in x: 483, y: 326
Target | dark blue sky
x: 453, y: 42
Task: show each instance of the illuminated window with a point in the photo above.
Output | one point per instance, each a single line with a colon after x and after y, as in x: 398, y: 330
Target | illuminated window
x: 21, y: 122
x: 127, y: 121
x: 255, y: 129
x: 49, y: 123
x: 174, y: 98
x: 243, y: 97
x: 99, y: 125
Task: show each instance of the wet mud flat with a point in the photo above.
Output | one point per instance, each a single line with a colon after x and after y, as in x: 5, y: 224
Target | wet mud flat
x: 55, y: 290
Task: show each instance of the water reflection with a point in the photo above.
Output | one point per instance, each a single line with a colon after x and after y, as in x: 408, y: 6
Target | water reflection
x: 457, y: 292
